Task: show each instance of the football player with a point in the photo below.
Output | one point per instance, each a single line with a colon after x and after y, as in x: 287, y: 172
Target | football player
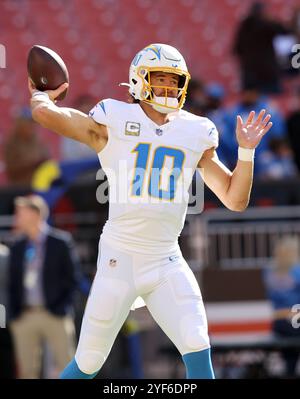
x: 159, y: 146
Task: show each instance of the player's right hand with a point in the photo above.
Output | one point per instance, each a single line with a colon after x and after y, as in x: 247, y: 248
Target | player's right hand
x: 53, y: 94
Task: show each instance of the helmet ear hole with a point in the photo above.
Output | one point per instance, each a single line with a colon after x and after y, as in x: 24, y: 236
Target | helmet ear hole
x: 134, y: 81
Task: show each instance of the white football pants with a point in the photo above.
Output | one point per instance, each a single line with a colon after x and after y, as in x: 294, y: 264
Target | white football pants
x: 169, y: 289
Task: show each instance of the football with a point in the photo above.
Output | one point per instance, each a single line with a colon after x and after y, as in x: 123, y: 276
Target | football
x: 46, y: 69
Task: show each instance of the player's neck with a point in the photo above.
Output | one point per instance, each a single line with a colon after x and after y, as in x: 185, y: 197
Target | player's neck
x: 155, y: 116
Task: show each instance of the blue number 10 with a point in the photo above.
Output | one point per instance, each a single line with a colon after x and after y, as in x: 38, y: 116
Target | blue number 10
x: 159, y: 158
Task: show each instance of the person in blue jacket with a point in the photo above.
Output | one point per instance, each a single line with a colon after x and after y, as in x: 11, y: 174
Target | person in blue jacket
x: 282, y: 283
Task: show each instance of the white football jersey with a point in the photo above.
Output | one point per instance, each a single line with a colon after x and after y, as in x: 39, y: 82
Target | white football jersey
x: 149, y: 170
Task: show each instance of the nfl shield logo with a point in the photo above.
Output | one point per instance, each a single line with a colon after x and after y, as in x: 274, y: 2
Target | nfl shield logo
x: 112, y: 262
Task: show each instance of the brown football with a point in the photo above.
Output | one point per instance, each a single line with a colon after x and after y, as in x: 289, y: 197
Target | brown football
x: 46, y: 69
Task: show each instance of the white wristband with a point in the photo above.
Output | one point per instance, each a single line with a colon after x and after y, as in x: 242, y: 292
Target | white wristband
x: 246, y: 154
x: 40, y: 96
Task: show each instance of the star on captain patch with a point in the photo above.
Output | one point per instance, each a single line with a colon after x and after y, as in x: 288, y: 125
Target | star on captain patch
x: 112, y: 262
x: 132, y: 128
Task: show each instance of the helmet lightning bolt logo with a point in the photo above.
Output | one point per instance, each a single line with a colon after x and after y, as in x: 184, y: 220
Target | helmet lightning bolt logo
x: 156, y: 50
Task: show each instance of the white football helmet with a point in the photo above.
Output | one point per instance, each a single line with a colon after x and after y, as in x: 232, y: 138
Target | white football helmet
x: 163, y: 58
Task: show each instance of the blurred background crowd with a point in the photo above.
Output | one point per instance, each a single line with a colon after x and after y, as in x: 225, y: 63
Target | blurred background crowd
x: 243, y: 56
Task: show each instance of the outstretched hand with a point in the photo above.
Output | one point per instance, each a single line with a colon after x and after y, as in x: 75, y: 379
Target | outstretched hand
x: 53, y: 94
x: 250, y: 133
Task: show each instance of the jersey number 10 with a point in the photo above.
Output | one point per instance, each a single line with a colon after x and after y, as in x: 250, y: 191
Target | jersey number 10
x: 156, y: 168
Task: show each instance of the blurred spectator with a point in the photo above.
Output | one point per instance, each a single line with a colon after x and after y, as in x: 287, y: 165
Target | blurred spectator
x: 254, y: 47
x: 282, y: 282
x: 293, y: 130
x: 4, y: 254
x: 283, y: 45
x: 278, y: 162
x: 43, y: 275
x: 195, y: 101
x: 295, y: 24
x: 215, y: 111
x: 74, y: 150
x: 23, y: 151
x: 251, y: 99
x: 7, y: 363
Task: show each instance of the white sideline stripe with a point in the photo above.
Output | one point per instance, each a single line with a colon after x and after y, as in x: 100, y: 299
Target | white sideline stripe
x: 224, y: 338
x: 238, y: 311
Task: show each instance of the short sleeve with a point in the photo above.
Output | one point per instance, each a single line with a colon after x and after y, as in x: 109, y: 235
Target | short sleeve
x: 102, y: 113
x: 211, y: 135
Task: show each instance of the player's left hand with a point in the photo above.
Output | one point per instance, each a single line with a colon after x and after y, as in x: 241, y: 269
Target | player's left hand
x: 250, y: 133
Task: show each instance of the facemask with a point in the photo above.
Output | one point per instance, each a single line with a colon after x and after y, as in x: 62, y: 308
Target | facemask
x: 171, y: 102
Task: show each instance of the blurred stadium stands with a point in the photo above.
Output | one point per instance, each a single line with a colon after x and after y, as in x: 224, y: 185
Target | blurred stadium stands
x: 98, y: 38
